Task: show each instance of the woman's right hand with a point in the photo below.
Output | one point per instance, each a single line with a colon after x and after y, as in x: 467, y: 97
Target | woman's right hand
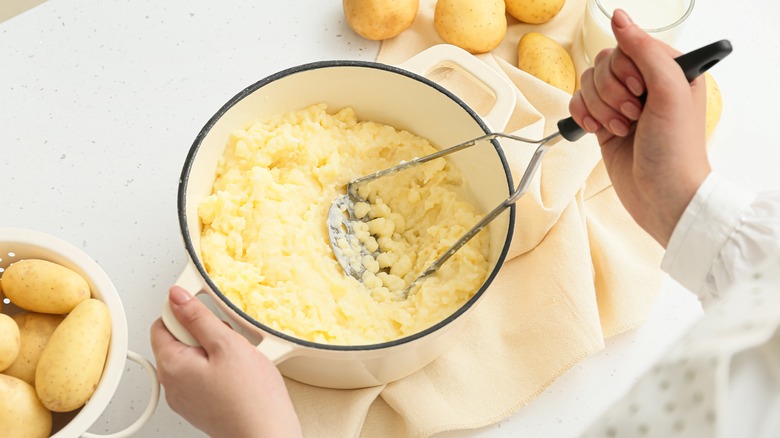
x: 655, y: 153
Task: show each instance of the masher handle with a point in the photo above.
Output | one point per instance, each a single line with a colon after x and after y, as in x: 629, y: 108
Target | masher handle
x: 693, y: 64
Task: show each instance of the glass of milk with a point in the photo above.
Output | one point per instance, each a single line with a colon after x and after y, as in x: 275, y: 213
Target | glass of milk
x: 662, y: 19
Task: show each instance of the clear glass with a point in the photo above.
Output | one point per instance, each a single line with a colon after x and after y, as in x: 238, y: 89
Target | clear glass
x: 663, y: 19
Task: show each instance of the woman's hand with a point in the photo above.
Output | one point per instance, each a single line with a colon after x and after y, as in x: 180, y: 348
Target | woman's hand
x: 655, y: 153
x: 226, y: 388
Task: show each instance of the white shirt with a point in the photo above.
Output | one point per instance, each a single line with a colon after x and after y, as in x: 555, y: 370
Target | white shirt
x: 722, y: 379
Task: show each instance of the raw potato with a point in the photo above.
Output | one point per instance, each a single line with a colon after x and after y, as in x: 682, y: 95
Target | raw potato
x: 380, y: 19
x: 544, y: 58
x: 714, y: 104
x: 21, y: 413
x: 534, y: 11
x: 35, y: 329
x: 43, y: 286
x: 9, y: 341
x: 477, y: 26
x: 72, y: 363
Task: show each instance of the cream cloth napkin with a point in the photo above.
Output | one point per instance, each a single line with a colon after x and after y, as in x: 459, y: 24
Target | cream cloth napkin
x: 579, y: 271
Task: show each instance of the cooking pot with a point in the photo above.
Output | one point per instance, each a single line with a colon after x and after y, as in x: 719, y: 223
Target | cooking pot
x: 19, y: 244
x: 402, y: 97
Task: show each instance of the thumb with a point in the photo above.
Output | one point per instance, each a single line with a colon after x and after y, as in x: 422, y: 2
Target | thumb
x: 653, y: 58
x: 202, y: 324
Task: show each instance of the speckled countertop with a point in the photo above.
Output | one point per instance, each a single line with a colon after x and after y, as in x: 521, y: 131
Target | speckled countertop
x: 100, y: 101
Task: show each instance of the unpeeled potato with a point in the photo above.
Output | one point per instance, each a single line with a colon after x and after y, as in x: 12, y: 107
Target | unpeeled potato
x: 477, y: 26
x: 534, y: 11
x: 35, y: 329
x: 714, y: 105
x: 380, y: 19
x: 72, y: 362
x: 21, y: 413
x: 544, y: 58
x: 43, y: 286
x: 9, y: 341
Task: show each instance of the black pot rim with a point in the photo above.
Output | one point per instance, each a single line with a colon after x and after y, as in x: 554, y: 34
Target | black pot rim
x: 195, y: 258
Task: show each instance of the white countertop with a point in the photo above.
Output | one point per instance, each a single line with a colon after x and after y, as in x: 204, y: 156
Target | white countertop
x: 100, y: 101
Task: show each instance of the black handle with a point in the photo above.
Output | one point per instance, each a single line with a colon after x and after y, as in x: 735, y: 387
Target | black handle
x: 698, y: 61
x: 693, y: 64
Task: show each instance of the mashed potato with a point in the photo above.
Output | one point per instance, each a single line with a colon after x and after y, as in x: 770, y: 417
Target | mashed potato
x: 265, y: 241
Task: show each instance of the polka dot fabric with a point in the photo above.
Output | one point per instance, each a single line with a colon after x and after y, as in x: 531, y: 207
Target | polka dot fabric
x: 689, y: 392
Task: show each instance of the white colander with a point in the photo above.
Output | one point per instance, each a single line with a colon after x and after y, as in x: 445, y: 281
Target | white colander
x: 18, y: 244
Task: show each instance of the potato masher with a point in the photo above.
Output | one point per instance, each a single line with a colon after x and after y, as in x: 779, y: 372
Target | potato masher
x: 341, y: 214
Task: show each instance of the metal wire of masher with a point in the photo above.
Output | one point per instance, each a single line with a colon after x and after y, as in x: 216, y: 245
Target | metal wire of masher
x: 351, y: 197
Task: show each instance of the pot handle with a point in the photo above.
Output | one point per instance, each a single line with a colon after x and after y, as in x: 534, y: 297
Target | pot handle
x: 189, y: 280
x: 450, y: 56
x: 276, y: 350
x: 150, y: 407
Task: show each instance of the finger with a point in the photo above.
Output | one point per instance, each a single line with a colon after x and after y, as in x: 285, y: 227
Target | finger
x: 604, y: 136
x: 624, y: 69
x: 160, y: 337
x: 580, y: 114
x: 165, y: 344
x: 603, y: 55
x: 613, y: 91
x: 624, y: 65
x: 653, y: 59
x: 599, y: 110
x: 175, y: 360
x: 199, y: 321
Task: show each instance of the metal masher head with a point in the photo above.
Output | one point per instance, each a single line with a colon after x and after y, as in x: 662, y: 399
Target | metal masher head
x: 343, y: 220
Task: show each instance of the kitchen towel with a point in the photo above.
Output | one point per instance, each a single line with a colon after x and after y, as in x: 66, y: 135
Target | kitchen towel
x: 579, y: 271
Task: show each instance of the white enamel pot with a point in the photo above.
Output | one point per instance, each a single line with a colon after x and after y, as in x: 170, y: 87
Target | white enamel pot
x: 19, y: 244
x: 398, y: 96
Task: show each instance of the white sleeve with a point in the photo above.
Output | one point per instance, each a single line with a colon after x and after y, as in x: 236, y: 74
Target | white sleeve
x: 725, y: 231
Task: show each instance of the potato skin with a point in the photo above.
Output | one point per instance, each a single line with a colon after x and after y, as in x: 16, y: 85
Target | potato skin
x: 10, y: 341
x: 477, y: 26
x: 534, y: 11
x: 21, y: 413
x: 35, y: 330
x: 43, y: 286
x: 380, y: 19
x: 544, y: 58
x: 72, y: 362
x: 714, y: 104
